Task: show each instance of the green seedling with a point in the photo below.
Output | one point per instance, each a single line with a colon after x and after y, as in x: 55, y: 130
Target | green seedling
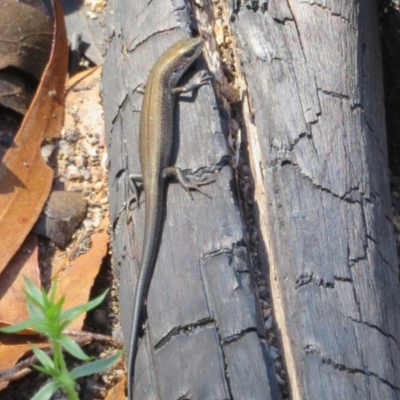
x: 47, y: 318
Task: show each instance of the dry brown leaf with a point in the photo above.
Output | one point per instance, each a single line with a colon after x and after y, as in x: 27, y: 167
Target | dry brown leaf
x: 12, y: 348
x: 76, y: 281
x: 117, y: 392
x: 25, y: 179
x: 83, y: 78
x: 25, y: 37
x: 15, y: 92
x: 12, y: 284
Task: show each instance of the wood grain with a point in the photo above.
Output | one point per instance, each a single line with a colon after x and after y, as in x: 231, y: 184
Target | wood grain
x: 318, y: 154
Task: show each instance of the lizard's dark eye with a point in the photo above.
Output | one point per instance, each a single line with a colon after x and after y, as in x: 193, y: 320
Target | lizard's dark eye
x: 190, y: 53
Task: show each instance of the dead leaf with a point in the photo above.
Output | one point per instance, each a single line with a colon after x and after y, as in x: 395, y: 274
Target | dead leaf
x: 82, y: 81
x: 12, y: 284
x: 25, y: 37
x: 77, y: 277
x: 76, y: 281
x: 15, y: 92
x: 117, y: 392
x: 12, y: 348
x: 38, y: 4
x: 25, y: 179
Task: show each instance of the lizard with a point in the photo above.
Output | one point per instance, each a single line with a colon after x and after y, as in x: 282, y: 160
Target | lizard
x: 155, y: 150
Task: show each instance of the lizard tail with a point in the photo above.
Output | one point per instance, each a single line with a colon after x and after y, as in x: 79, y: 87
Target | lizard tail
x: 152, y: 233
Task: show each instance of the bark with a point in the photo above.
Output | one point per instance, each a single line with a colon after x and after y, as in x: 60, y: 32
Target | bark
x: 204, y: 336
x: 319, y: 157
x: 308, y: 77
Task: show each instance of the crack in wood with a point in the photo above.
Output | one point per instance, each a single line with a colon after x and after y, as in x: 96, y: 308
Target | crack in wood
x: 307, y: 279
x: 380, y: 330
x: 236, y: 337
x: 226, y: 370
x: 190, y: 329
x: 313, y: 349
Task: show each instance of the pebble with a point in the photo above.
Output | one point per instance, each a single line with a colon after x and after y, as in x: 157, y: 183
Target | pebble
x: 79, y: 161
x: 268, y: 322
x: 66, y: 148
x: 98, y: 186
x: 72, y: 172
x: 86, y: 174
x: 47, y: 150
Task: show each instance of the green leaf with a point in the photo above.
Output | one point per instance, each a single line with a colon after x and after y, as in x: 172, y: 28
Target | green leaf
x: 44, y: 370
x: 33, y: 292
x: 19, y: 327
x: 59, y: 305
x: 53, y: 290
x: 41, y: 327
x: 45, y: 360
x: 64, y: 324
x: 73, y: 348
x: 46, y: 391
x: 33, y: 310
x: 73, y: 313
x: 44, y: 302
x: 53, y: 311
x: 95, y: 366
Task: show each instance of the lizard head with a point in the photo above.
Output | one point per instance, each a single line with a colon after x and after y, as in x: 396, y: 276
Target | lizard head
x: 182, y: 54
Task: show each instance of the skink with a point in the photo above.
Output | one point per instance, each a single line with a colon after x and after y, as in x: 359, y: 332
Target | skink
x: 155, y: 147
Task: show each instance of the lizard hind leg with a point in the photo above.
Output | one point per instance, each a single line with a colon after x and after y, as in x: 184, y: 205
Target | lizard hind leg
x: 187, y: 183
x: 135, y: 197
